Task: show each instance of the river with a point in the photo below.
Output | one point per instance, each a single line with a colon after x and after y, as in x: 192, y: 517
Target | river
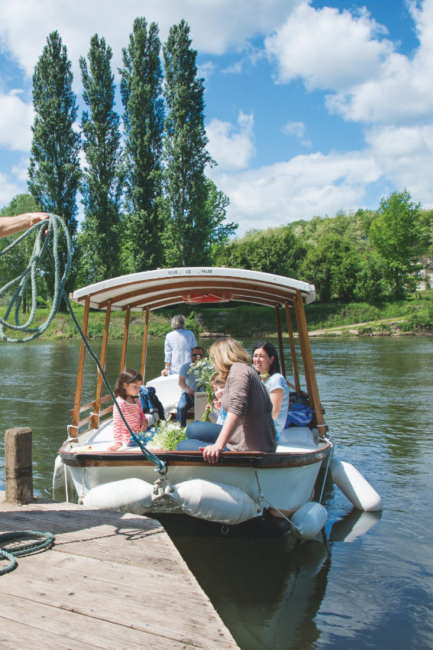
x: 347, y: 591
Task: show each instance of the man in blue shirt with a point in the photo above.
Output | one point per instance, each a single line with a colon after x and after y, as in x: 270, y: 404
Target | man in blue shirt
x: 189, y: 385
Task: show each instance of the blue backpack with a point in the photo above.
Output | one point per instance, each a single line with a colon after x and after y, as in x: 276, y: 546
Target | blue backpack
x: 150, y: 402
x: 299, y: 415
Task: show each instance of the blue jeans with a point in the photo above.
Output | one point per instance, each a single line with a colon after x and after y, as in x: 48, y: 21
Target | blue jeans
x: 205, y: 431
x: 185, y: 403
x: 194, y: 445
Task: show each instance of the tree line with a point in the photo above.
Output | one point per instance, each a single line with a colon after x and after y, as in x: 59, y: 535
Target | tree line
x: 147, y: 200
x: 369, y: 256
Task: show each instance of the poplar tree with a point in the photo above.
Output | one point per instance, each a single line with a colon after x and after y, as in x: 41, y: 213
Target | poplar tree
x: 102, y: 186
x: 54, y: 170
x: 141, y: 91
x: 190, y: 225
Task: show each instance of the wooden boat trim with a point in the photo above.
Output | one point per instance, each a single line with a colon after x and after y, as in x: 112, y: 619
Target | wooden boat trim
x: 73, y: 430
x: 102, y: 361
x: 292, y: 348
x: 195, y: 458
x: 144, y: 349
x: 125, y: 340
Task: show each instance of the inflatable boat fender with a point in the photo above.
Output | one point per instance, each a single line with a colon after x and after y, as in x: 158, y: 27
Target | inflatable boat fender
x: 354, y: 486
x: 62, y: 488
x: 309, y: 520
x: 130, y: 495
x: 224, y: 504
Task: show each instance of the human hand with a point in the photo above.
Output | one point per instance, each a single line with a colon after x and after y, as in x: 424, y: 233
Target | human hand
x: 164, y: 372
x: 211, y: 453
x: 190, y: 391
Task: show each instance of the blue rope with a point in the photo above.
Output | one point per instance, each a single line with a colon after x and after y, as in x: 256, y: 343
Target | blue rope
x: 41, y: 246
x: 54, y: 224
x: 25, y: 549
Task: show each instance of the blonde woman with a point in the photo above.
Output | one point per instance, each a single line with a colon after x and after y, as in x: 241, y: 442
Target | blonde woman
x: 248, y: 425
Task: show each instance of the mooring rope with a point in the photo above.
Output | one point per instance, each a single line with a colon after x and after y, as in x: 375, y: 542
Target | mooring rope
x: 24, y: 549
x: 53, y: 225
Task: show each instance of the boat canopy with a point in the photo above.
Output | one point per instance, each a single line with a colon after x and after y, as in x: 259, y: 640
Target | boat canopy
x: 193, y: 285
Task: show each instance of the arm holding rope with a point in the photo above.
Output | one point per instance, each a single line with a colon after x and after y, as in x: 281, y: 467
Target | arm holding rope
x: 11, y: 225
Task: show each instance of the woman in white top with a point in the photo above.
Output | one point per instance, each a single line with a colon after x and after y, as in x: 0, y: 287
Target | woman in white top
x: 265, y: 360
x: 178, y: 346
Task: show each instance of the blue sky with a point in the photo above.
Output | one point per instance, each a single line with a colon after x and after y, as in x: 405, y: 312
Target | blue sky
x: 311, y: 106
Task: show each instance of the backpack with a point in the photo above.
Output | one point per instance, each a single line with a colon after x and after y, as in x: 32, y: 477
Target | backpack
x: 299, y: 415
x: 150, y: 402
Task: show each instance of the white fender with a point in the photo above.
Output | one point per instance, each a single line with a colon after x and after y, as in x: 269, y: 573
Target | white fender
x: 224, y: 504
x: 309, y: 519
x: 130, y: 495
x: 63, y: 485
x: 354, y: 486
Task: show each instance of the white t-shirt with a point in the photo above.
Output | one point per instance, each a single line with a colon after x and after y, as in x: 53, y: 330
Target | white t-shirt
x: 277, y: 381
x: 178, y: 347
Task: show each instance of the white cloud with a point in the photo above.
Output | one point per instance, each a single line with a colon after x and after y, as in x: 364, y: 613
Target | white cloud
x: 216, y: 26
x: 205, y: 70
x: 297, y: 189
x: 345, y: 53
x: 20, y: 171
x: 16, y: 118
x: 297, y: 129
x: 7, y: 190
x: 326, y: 48
x: 405, y: 155
x: 231, y: 146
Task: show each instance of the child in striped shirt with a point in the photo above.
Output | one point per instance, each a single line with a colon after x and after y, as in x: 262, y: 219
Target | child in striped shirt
x: 127, y: 392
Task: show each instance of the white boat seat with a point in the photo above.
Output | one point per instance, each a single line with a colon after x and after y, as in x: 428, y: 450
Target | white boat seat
x: 296, y: 439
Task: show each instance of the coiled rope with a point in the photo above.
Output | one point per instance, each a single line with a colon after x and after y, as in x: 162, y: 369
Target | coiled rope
x: 24, y: 549
x: 55, y: 225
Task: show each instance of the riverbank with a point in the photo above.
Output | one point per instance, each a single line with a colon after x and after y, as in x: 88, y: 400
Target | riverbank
x: 412, y: 316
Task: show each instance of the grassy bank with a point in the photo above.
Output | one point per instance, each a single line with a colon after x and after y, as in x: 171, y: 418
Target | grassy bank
x: 411, y: 315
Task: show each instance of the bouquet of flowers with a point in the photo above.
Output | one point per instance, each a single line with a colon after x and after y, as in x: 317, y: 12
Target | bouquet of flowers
x: 168, y: 434
x: 203, y: 370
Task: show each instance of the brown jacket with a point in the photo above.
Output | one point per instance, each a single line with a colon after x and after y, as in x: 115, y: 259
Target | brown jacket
x: 246, y: 396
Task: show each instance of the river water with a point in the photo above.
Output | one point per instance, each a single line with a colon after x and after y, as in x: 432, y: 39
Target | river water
x: 348, y: 590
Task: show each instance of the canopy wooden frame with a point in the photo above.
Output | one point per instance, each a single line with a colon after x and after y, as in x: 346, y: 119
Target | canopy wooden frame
x: 166, y: 287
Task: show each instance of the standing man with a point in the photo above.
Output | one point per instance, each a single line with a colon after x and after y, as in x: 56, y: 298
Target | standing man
x: 189, y: 385
x: 11, y: 225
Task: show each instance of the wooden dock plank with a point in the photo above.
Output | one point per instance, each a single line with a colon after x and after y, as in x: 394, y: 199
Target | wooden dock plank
x: 75, y: 627
x: 112, y: 580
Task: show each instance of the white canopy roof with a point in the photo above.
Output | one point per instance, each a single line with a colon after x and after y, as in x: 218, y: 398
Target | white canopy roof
x: 194, y: 285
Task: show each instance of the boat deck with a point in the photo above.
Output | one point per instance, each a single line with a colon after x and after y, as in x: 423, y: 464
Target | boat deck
x: 110, y: 581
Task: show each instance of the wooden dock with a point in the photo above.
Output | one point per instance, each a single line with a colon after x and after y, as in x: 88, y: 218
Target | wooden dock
x: 113, y: 581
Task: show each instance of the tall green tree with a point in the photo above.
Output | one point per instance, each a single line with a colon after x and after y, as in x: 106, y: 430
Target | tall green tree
x: 54, y: 170
x: 395, y: 234
x: 141, y: 91
x: 190, y: 226
x: 102, y: 184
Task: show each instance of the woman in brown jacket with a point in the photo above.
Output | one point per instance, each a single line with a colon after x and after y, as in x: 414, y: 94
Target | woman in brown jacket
x: 248, y: 425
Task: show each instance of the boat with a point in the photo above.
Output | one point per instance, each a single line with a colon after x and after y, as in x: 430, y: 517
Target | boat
x: 242, y: 486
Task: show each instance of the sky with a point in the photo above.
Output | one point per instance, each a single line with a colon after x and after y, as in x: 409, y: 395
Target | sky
x: 312, y: 107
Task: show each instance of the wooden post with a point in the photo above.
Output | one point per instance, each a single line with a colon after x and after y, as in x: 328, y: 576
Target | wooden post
x: 307, y: 357
x: 102, y: 360
x: 280, y: 341
x: 144, y: 350
x: 18, y: 460
x: 125, y: 339
x: 292, y: 348
x: 73, y: 428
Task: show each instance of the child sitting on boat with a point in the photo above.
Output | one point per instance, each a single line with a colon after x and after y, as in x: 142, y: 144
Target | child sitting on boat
x: 208, y: 431
x: 127, y: 392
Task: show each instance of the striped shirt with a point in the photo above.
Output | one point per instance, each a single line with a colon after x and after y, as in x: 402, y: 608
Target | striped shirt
x: 134, y: 417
